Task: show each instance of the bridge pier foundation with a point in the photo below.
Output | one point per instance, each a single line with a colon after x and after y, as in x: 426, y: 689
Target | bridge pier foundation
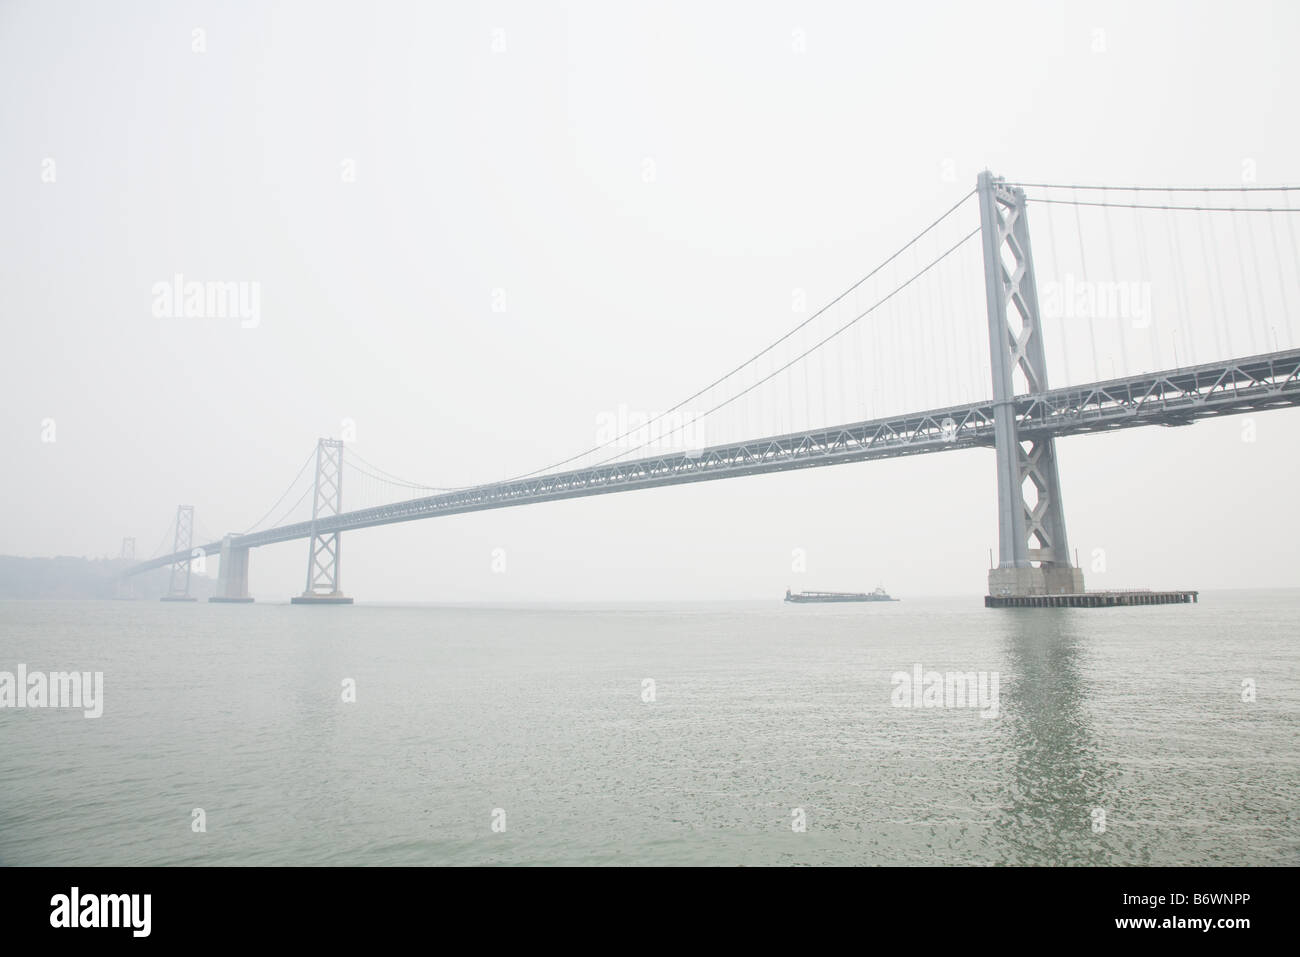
x: 232, y: 580
x: 1043, y: 580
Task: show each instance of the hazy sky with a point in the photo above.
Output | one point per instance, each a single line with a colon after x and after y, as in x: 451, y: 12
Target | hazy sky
x: 475, y: 231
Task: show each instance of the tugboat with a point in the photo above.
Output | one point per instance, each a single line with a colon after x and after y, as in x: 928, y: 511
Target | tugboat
x: 877, y: 594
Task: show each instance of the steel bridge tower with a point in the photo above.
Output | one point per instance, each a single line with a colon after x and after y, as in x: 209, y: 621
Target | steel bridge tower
x: 323, y: 547
x: 178, y: 589
x: 1028, y: 531
x: 125, y: 588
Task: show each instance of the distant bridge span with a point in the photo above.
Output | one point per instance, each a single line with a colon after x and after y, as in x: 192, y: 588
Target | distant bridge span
x: 1019, y: 423
x: 1172, y: 398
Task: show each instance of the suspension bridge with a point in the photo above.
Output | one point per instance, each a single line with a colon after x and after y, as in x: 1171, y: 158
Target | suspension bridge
x: 1145, y: 279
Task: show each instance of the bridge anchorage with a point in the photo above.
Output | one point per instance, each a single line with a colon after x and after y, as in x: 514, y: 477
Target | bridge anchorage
x: 232, y: 574
x: 1019, y: 421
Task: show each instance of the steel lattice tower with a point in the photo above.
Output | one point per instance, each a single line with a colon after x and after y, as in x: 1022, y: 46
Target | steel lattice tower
x: 178, y: 589
x: 1028, y: 532
x: 323, y: 556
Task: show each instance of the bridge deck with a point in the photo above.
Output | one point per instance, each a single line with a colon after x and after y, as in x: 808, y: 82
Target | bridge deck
x: 1170, y: 398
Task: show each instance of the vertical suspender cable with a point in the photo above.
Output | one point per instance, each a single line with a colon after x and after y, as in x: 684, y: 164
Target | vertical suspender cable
x: 1114, y: 277
x: 1145, y: 273
x: 1259, y: 279
x: 1213, y: 282
x: 1281, y: 280
x: 1083, y: 267
x: 1245, y: 291
x: 1180, y: 285
x: 1065, y: 310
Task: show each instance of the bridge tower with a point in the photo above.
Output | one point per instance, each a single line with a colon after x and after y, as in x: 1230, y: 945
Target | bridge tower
x: 178, y: 589
x: 323, y: 547
x: 1028, y: 531
x: 125, y: 584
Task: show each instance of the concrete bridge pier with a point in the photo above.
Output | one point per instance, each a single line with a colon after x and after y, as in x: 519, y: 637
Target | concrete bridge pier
x: 232, y: 581
x: 1043, y: 580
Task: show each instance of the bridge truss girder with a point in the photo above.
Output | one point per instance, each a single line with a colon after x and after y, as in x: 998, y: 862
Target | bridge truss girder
x: 1173, y: 397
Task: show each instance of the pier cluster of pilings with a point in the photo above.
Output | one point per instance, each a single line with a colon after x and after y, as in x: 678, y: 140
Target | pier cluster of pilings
x: 1092, y: 599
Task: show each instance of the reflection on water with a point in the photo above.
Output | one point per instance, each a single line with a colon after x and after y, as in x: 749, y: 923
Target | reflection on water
x: 1056, y: 781
x: 760, y: 709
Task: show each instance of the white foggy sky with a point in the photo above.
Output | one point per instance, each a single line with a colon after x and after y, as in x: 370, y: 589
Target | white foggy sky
x: 523, y: 171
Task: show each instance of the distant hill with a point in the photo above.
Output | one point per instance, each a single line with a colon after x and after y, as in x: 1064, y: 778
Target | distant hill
x: 70, y: 577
